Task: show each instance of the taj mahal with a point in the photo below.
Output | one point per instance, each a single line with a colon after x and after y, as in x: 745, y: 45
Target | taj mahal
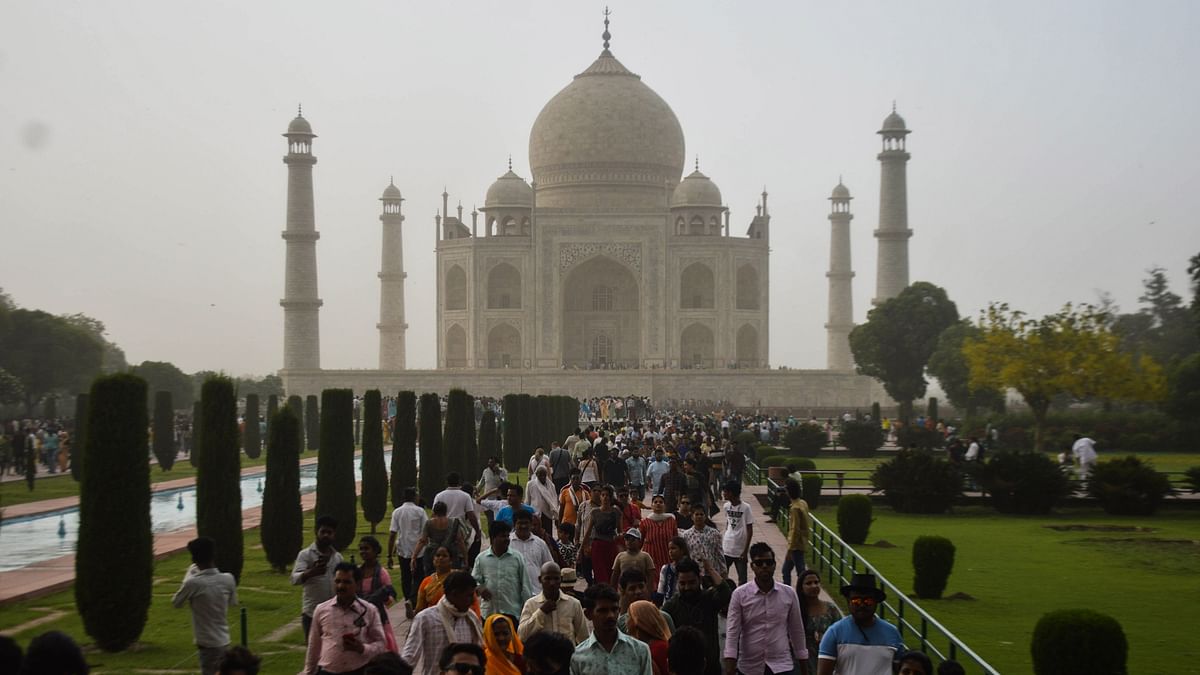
x: 609, y: 272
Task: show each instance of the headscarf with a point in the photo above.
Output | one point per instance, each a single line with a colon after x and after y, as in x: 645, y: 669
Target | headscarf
x: 498, y: 662
x: 645, y: 619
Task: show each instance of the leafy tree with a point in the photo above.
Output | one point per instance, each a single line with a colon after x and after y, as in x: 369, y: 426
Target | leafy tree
x: 900, y: 335
x: 48, y: 354
x: 374, y: 470
x: 1183, y: 400
x: 429, y: 442
x: 950, y: 367
x: 282, y: 528
x: 270, y: 385
x: 1163, y: 328
x: 164, y: 376
x: 251, y: 438
x: 487, y: 435
x: 164, y: 430
x: 11, y: 390
x: 113, y: 358
x: 404, y: 447
x: 335, y: 459
x: 312, y: 422
x: 114, y: 555
x: 219, y: 474
x: 460, y: 423
x: 1071, y: 352
x: 50, y: 408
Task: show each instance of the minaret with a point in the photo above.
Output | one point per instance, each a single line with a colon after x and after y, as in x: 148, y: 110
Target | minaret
x: 301, y: 323
x: 391, y: 283
x: 891, y: 274
x: 840, y: 274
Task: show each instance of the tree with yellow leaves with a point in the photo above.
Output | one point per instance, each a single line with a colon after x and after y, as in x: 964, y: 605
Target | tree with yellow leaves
x: 1071, y: 352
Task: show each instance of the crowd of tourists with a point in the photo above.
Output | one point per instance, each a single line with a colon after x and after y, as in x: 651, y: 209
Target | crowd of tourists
x: 33, y: 444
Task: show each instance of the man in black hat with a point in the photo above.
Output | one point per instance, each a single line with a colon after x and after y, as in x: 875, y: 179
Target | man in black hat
x: 860, y: 644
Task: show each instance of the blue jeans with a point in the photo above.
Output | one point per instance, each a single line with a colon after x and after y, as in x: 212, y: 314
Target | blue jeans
x: 794, y: 560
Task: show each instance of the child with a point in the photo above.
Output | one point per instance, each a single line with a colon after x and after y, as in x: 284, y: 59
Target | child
x: 677, y: 549
x: 633, y: 557
x: 568, y: 549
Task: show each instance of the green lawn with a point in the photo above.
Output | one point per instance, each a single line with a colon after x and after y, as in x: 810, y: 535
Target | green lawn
x: 166, y: 643
x: 1017, y: 569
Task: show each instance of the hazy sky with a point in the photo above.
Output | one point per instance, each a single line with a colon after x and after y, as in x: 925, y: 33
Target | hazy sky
x: 1054, y: 148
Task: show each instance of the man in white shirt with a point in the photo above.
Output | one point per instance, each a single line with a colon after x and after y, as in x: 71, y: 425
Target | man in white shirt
x: 408, y: 522
x: 551, y: 610
x: 460, y: 505
x: 210, y: 592
x: 1084, y: 450
x: 538, y: 459
x: 533, y: 549
x: 739, y: 529
x: 541, y: 495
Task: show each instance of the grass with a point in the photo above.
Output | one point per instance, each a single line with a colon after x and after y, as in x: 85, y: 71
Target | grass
x: 166, y: 643
x: 1017, y: 570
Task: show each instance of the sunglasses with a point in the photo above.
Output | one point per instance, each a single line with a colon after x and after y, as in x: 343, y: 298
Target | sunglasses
x: 762, y: 563
x: 465, y: 668
x: 863, y: 602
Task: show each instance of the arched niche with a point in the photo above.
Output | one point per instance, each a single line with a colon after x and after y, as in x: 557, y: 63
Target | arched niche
x: 697, y: 287
x: 456, y: 288
x: 601, y: 297
x: 504, y: 287
x: 696, y: 347
x: 747, y: 287
x: 456, y: 347
x: 747, y: 347
x: 504, y: 347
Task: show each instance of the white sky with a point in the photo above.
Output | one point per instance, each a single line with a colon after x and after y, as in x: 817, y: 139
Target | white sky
x: 1054, y: 148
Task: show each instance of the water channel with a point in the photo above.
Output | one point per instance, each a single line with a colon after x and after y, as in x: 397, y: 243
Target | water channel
x: 45, y: 536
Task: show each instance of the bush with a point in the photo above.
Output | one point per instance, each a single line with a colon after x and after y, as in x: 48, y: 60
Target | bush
x: 219, y: 474
x: 114, y: 554
x: 251, y: 438
x: 430, y: 444
x: 774, y: 460
x: 933, y: 560
x: 918, y: 482
x: 404, y: 447
x: 374, y: 471
x: 312, y: 422
x: 282, y: 528
x: 910, y: 436
x: 1023, y: 482
x: 805, y: 440
x: 335, y: 458
x: 854, y: 518
x: 164, y: 430
x: 1192, y: 477
x: 1078, y: 642
x: 1128, y: 486
x: 1114, y: 431
x: 746, y: 440
x: 861, y: 439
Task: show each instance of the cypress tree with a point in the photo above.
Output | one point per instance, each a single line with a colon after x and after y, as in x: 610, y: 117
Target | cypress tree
x: 474, y: 466
x: 455, y: 438
x: 404, y: 447
x: 80, y: 436
x: 335, y: 463
x: 487, y: 436
x: 50, y: 408
x: 114, y: 555
x: 374, y: 470
x: 282, y: 528
x: 297, y: 405
x: 526, y: 408
x: 251, y: 439
x: 219, y: 475
x: 429, y: 442
x: 272, y: 408
x: 164, y: 430
x: 511, y: 430
x: 312, y: 423
x: 932, y: 410
x: 194, y: 455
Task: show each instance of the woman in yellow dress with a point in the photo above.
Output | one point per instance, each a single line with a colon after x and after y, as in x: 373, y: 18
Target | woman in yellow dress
x: 430, y: 590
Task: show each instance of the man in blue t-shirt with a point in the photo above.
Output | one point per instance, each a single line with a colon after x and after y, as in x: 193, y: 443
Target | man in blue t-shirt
x: 515, y: 494
x: 860, y: 644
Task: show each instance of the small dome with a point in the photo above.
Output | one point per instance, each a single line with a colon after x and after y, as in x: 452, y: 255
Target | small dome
x: 696, y: 190
x: 391, y: 192
x: 894, y: 122
x: 840, y: 192
x: 299, y: 126
x: 509, y: 190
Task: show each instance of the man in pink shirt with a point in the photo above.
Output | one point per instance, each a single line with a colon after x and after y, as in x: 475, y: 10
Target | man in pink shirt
x: 346, y: 630
x: 757, y: 641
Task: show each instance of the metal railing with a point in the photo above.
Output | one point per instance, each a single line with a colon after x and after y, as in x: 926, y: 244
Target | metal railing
x: 833, y: 558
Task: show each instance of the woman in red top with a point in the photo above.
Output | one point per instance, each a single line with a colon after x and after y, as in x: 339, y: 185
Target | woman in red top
x: 658, y: 529
x: 646, y: 624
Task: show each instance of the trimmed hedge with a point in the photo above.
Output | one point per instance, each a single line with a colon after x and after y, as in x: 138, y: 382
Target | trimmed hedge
x: 335, y: 464
x: 810, y: 484
x: 1114, y: 431
x: 1079, y: 642
x: 854, y: 518
x: 910, y: 436
x: 1023, y: 482
x: 251, y: 438
x: 432, y: 474
x: 933, y: 560
x: 1128, y: 486
x: 282, y: 529
x: 374, y: 470
x: 404, y: 447
x: 861, y: 439
x: 219, y: 475
x: 114, y: 554
x: 918, y: 482
x: 1193, y: 479
x: 164, y: 430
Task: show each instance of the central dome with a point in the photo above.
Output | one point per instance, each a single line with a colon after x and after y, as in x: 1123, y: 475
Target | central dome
x: 606, y: 141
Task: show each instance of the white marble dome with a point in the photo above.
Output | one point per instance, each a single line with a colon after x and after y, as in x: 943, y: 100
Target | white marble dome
x: 509, y: 190
x: 606, y: 139
x: 696, y: 190
x: 299, y: 126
